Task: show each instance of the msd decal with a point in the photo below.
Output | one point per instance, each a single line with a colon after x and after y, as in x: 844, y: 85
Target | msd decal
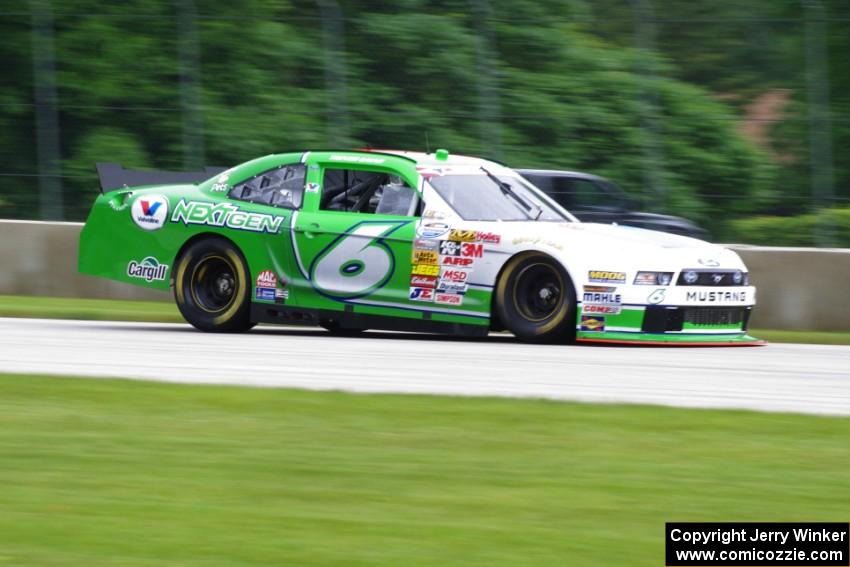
x: 454, y: 275
x: 150, y: 211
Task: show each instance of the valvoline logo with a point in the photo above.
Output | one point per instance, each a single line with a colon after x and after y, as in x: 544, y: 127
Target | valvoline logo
x: 150, y: 211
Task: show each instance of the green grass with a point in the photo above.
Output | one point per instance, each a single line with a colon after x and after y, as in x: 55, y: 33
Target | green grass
x: 89, y: 309
x: 103, y: 472
x: 166, y: 311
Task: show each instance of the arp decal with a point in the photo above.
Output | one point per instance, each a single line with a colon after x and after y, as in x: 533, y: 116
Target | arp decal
x: 150, y: 212
x: 603, y: 276
x: 225, y: 215
x: 148, y: 269
x: 456, y: 261
x: 592, y: 323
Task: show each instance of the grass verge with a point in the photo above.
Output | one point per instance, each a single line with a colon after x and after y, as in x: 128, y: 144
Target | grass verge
x: 166, y: 311
x: 108, y: 472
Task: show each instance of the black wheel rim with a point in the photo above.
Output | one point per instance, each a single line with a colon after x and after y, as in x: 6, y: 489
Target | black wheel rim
x: 214, y: 284
x: 538, y: 293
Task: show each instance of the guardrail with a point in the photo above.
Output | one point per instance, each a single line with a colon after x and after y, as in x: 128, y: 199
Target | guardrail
x: 798, y: 288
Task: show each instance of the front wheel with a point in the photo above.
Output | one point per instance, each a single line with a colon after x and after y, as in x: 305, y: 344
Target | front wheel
x: 535, y: 299
x: 211, y: 287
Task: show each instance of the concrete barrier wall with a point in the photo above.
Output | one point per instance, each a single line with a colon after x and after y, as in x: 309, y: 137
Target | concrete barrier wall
x: 798, y: 288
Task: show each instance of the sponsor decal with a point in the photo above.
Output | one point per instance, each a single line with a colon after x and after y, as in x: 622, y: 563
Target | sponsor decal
x: 463, y: 235
x: 452, y: 287
x: 710, y: 262
x: 592, y: 323
x: 432, y: 214
x: 537, y: 240
x: 265, y: 294
x: 465, y: 249
x: 488, y: 237
x: 448, y: 298
x: 266, y: 278
x: 281, y: 295
x: 601, y: 302
x: 425, y: 244
x: 357, y: 159
x: 421, y: 294
x: 603, y: 276
x: 313, y: 187
x: 425, y: 257
x: 423, y: 281
x: 456, y: 261
x: 455, y: 275
x: 149, y: 212
x: 432, y: 230
x: 600, y: 288
x: 427, y: 171
x: 425, y: 270
x: 148, y: 269
x: 717, y: 296
x: 225, y: 215
x: 220, y: 187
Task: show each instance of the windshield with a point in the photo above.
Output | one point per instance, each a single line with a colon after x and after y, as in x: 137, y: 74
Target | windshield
x: 483, y: 197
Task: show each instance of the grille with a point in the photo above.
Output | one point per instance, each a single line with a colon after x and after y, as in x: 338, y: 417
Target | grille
x: 657, y: 319
x: 714, y: 278
x: 708, y: 316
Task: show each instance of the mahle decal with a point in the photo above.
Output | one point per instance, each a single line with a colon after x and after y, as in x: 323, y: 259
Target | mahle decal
x: 148, y: 269
x: 225, y: 215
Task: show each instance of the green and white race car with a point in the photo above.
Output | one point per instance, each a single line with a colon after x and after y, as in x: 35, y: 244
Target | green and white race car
x: 354, y: 240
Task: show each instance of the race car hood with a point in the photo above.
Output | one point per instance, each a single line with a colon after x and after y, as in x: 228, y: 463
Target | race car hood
x: 627, y: 244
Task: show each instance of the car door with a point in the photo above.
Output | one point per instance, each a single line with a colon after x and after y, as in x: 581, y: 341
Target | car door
x: 353, y: 238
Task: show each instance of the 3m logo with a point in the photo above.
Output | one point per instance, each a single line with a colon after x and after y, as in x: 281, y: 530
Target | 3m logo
x: 465, y: 249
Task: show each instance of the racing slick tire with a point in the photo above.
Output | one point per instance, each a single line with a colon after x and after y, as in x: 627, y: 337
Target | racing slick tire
x: 535, y: 299
x: 211, y: 287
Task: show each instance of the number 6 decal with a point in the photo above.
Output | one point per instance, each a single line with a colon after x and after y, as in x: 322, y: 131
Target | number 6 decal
x: 357, y: 263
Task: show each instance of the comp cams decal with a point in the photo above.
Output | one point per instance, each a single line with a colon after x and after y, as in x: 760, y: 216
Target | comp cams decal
x: 225, y: 215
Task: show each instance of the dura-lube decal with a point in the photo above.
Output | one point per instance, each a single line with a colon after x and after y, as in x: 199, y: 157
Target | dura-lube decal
x: 357, y: 263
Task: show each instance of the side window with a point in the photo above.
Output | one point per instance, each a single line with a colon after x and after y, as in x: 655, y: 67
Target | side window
x: 369, y: 192
x: 279, y: 187
x: 586, y: 193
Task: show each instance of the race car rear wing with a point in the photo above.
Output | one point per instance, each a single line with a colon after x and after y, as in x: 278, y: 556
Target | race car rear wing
x: 113, y: 176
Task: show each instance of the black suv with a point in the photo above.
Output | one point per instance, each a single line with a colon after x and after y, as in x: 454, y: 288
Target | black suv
x: 595, y: 199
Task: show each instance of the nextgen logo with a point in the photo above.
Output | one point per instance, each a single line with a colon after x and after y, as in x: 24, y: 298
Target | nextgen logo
x: 225, y: 214
x: 148, y: 269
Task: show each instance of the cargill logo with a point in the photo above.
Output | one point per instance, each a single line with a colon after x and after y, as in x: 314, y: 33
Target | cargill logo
x: 150, y: 211
x: 148, y: 269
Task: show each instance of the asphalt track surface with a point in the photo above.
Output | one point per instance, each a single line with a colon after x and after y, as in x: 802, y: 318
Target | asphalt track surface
x: 780, y: 377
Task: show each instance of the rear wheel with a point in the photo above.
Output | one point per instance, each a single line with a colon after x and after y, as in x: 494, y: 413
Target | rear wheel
x: 535, y: 299
x: 211, y: 287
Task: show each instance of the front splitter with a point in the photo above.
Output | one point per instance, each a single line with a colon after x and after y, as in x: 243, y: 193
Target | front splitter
x: 678, y: 339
